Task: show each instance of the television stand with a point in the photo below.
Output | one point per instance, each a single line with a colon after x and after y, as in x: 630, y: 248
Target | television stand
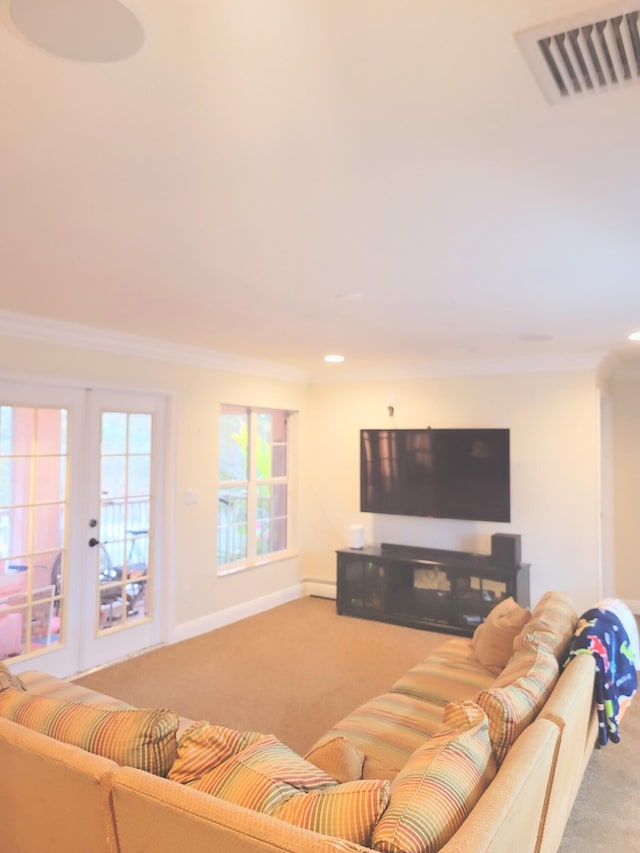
x: 430, y: 588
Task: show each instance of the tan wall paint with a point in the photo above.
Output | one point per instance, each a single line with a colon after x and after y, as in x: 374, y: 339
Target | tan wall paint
x: 625, y: 392
x: 194, y: 395
x: 555, y: 451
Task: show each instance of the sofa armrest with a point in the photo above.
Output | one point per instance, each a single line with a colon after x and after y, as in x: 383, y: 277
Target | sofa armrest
x: 571, y: 707
x: 153, y: 813
x: 508, y: 816
x: 40, y: 781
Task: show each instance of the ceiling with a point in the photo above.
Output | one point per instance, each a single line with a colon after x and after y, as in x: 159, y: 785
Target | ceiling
x: 279, y: 179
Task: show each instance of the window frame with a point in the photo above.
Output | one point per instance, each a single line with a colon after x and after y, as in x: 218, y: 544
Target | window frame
x: 252, y: 559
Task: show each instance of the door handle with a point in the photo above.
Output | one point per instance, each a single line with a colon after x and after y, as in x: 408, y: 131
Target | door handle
x: 93, y: 542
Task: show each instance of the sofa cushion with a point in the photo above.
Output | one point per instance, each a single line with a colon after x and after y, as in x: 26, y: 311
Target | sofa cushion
x: 203, y: 746
x: 518, y: 694
x: 439, y: 785
x: 451, y: 672
x: 136, y: 738
x: 9, y: 681
x: 339, y: 758
x: 553, y: 622
x: 387, y: 729
x: 263, y: 776
x: 349, y: 811
x: 492, y: 641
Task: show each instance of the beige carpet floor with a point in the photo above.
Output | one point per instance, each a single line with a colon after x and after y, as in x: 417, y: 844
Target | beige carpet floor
x: 295, y: 670
x: 292, y: 671
x: 606, y: 813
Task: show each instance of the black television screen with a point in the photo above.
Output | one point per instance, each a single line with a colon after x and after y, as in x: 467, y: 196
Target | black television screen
x: 438, y: 473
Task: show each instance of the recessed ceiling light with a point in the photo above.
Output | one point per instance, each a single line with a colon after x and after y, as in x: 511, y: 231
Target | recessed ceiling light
x: 334, y: 359
x: 634, y: 336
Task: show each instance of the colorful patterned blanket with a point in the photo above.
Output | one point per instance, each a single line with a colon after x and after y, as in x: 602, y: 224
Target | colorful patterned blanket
x: 601, y: 634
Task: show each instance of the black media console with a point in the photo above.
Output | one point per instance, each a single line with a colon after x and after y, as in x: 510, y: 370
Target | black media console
x: 450, y: 591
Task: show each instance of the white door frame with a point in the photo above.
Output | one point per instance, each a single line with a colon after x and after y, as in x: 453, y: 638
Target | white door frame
x: 80, y: 649
x: 100, y: 647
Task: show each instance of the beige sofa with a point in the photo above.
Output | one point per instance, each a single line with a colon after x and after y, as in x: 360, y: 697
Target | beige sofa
x: 85, y: 802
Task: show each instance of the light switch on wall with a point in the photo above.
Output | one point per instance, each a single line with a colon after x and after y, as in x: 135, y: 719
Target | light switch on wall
x: 192, y: 496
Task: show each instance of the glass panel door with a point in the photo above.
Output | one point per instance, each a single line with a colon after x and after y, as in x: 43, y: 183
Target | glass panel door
x: 80, y: 524
x: 125, y: 518
x: 33, y: 527
x: 40, y: 494
x: 122, y: 526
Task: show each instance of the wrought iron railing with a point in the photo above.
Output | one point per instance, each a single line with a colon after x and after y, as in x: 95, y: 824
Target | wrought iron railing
x: 124, y: 530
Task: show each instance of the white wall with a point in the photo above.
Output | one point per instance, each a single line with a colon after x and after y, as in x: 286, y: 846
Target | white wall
x: 625, y: 392
x: 199, y: 598
x: 554, y: 419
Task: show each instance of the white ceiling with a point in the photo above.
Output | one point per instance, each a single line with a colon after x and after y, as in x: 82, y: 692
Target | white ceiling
x: 279, y: 179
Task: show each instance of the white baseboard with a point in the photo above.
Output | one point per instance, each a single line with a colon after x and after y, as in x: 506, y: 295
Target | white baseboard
x: 321, y: 589
x: 220, y: 618
x: 187, y: 630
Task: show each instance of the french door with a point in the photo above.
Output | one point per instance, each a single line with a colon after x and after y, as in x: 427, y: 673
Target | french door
x: 80, y: 525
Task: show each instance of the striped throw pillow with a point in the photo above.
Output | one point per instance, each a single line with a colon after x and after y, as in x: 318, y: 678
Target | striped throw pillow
x: 518, y: 694
x: 439, y: 785
x: 204, y: 746
x: 263, y: 776
x: 349, y: 811
x: 9, y: 681
x: 493, y: 639
x: 558, y: 603
x: 339, y: 758
x: 552, y: 622
x: 135, y: 738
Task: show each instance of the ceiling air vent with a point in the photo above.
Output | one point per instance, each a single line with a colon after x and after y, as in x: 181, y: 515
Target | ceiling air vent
x: 590, y: 52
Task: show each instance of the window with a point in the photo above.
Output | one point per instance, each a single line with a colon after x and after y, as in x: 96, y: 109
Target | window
x: 254, y: 486
x: 33, y: 519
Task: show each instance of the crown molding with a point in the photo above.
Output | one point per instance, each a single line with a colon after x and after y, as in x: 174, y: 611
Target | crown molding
x: 561, y: 363
x: 62, y: 333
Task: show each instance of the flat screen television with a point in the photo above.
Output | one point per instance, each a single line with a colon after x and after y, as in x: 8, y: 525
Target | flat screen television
x: 437, y: 473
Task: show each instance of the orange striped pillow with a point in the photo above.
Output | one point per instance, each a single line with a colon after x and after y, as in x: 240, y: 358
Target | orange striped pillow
x: 518, y: 694
x: 263, y: 776
x: 349, y: 811
x: 439, y: 785
x: 203, y: 746
x: 553, y: 622
x: 339, y: 758
x: 492, y: 641
x: 9, y: 681
x: 136, y: 738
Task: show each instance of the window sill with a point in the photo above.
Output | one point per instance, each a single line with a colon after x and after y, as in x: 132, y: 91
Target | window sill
x: 267, y: 560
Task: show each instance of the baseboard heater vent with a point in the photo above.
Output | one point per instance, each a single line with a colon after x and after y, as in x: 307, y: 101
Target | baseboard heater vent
x: 588, y: 53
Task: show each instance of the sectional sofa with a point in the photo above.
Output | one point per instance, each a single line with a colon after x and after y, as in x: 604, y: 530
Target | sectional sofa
x: 480, y: 747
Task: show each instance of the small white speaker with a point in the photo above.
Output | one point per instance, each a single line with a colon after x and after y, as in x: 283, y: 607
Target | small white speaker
x: 356, y: 536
